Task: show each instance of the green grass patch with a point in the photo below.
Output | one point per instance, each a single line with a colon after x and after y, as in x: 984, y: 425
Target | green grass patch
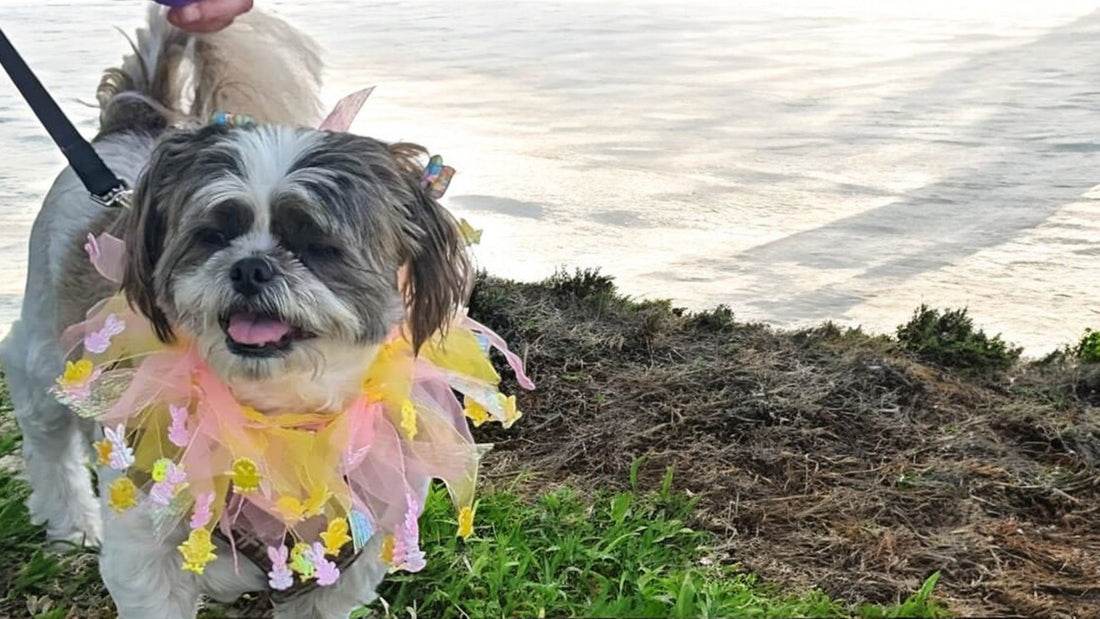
x: 36, y: 581
x: 949, y: 339
x: 559, y: 554
x: 622, y: 554
x: 1088, y: 348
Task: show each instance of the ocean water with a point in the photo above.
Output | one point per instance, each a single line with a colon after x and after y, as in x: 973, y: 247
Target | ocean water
x: 797, y: 161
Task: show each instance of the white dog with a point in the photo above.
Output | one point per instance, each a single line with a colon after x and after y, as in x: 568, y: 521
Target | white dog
x: 275, y: 250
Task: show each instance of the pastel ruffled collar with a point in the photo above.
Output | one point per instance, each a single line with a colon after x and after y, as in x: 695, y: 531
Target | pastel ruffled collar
x: 311, y: 489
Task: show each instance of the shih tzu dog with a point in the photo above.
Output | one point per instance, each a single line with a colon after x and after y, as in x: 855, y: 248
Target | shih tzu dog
x: 285, y: 253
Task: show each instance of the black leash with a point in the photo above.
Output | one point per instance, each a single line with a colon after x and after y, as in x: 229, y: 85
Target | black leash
x: 106, y: 188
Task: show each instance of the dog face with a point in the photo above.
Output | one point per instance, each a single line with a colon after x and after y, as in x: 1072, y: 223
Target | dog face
x: 277, y: 250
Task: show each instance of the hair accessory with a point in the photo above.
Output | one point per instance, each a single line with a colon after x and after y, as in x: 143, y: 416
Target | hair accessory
x: 476, y: 412
x: 174, y: 479
x: 341, y: 116
x: 386, y: 555
x: 437, y: 177
x: 407, y: 554
x: 232, y: 121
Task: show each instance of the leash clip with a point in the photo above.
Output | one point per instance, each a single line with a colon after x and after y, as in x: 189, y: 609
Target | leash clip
x: 118, y: 196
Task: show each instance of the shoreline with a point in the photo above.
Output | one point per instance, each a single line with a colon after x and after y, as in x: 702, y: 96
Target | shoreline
x: 1032, y: 352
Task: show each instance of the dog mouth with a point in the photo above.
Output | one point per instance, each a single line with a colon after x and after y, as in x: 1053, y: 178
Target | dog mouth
x: 260, y: 335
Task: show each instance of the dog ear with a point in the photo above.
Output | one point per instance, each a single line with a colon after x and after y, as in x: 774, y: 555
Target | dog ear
x: 146, y: 227
x: 438, y: 269
x: 145, y: 234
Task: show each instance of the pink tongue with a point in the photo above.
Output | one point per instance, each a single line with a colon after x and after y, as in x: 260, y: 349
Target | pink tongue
x: 246, y: 329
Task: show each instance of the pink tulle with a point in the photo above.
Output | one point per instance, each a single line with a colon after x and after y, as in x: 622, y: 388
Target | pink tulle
x: 341, y: 117
x: 497, y: 342
x: 379, y: 464
x: 107, y: 254
x: 184, y: 409
x: 164, y: 376
x: 74, y: 335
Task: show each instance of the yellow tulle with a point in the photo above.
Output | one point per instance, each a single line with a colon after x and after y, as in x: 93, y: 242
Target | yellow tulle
x: 202, y: 460
x: 460, y: 352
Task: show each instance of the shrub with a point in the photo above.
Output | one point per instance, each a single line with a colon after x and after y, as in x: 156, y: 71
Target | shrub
x: 583, y: 285
x: 718, y: 320
x: 1088, y: 349
x: 949, y: 339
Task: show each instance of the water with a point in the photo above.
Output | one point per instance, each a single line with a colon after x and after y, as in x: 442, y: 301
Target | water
x: 799, y: 161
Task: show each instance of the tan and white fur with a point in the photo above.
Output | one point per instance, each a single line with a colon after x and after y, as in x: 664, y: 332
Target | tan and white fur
x: 275, y: 249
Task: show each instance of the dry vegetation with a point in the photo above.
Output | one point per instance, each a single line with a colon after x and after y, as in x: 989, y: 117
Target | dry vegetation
x: 823, y: 457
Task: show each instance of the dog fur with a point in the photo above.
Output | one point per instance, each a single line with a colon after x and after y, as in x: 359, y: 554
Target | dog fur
x: 335, y: 217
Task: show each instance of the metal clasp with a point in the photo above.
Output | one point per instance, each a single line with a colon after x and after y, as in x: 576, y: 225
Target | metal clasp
x: 115, y: 198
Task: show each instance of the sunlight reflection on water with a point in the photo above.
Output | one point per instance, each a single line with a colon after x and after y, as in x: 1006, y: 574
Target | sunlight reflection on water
x: 802, y: 162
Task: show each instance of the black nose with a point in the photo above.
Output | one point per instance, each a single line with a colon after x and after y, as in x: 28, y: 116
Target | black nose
x: 250, y: 275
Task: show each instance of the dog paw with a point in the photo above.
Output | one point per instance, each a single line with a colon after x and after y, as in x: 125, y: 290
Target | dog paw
x: 62, y: 541
x: 67, y: 536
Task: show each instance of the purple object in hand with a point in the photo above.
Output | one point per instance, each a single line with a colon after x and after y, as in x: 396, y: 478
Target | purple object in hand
x: 175, y: 3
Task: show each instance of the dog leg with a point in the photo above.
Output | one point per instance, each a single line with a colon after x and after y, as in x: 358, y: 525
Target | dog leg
x: 142, y: 572
x: 228, y: 578
x: 54, y: 447
x: 355, y: 588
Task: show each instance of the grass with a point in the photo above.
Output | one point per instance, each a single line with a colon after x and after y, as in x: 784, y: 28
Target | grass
x: 818, y: 472
x: 557, y: 554
x: 38, y: 582
x: 1088, y: 348
x: 949, y: 338
x: 624, y: 554
x: 823, y: 457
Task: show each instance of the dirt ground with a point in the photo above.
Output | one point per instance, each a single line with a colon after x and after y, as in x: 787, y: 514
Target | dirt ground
x: 823, y: 457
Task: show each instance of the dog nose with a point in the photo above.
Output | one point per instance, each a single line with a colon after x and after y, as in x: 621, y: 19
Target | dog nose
x: 251, y: 275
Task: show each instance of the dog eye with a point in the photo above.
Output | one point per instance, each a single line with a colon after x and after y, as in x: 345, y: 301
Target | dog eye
x: 212, y: 237
x: 322, y: 252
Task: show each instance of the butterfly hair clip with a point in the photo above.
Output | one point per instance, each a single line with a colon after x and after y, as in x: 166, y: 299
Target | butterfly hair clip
x: 437, y: 177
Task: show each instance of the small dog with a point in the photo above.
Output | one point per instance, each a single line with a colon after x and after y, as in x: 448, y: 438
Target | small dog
x: 285, y: 253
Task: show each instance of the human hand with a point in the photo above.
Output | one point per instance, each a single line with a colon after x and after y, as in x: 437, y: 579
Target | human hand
x: 206, y: 15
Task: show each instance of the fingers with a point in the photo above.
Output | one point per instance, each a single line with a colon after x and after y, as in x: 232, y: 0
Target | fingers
x: 208, y: 15
x: 201, y: 26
